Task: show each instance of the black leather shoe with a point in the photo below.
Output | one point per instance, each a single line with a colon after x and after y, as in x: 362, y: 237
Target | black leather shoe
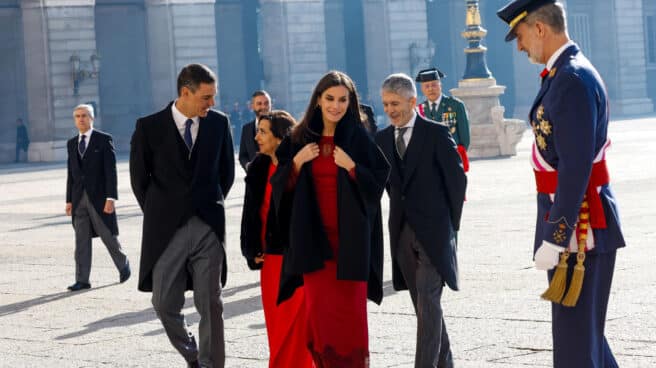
x: 194, y: 364
x: 125, y: 273
x: 79, y: 286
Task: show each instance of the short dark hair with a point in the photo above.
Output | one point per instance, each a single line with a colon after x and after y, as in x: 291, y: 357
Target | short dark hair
x: 260, y: 92
x: 192, y: 75
x: 281, y: 123
x: 552, y: 15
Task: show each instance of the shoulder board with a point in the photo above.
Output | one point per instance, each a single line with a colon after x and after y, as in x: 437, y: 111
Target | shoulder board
x: 436, y: 122
x: 454, y: 99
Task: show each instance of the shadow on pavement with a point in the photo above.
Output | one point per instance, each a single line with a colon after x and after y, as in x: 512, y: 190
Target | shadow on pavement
x: 24, y: 305
x: 230, y: 310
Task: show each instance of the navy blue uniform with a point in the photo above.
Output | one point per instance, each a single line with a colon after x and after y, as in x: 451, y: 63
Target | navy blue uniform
x: 569, y: 118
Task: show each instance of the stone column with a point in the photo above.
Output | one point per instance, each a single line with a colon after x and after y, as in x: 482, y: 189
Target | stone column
x: 231, y: 43
x: 13, y: 103
x: 55, y: 30
x: 391, y: 29
x: 631, y: 98
x: 378, y: 51
x: 293, y: 49
x: 179, y: 32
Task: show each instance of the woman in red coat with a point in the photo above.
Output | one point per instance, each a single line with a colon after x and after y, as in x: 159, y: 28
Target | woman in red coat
x: 336, y: 175
x: 263, y: 238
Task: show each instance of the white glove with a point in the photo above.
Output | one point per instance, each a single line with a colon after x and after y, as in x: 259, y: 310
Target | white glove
x: 547, y: 256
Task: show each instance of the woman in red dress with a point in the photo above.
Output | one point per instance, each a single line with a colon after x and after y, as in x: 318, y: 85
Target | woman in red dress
x: 336, y: 175
x: 263, y: 239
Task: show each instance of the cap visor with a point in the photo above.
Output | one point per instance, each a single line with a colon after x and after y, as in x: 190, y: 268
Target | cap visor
x: 511, y: 35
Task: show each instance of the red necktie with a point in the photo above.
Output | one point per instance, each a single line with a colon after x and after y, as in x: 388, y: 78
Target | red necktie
x: 544, y: 73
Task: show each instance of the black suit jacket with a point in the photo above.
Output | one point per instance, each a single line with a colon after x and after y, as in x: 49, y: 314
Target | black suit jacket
x: 95, y: 173
x: 428, y: 194
x: 247, y: 146
x: 172, y: 185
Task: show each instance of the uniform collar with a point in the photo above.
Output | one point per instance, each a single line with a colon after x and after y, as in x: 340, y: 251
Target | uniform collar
x: 556, y: 55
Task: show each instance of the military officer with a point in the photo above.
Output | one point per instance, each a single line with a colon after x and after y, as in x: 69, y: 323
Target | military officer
x: 449, y: 110
x: 577, y: 212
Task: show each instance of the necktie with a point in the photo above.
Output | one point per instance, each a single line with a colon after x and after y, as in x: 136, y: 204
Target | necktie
x: 82, y: 146
x: 433, y: 111
x: 544, y: 73
x: 187, y: 134
x: 400, y: 143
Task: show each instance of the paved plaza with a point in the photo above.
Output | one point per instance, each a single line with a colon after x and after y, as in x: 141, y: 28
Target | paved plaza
x: 496, y: 320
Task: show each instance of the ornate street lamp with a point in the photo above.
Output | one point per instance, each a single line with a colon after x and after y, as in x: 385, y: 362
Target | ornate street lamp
x: 474, y: 34
x: 78, y: 73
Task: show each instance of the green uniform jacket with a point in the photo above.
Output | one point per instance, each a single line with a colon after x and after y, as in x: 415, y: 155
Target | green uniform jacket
x: 451, y: 112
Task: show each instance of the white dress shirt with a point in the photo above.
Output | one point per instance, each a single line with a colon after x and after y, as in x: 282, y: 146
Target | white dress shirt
x: 435, y: 103
x: 408, y: 132
x: 87, y: 139
x: 181, y: 121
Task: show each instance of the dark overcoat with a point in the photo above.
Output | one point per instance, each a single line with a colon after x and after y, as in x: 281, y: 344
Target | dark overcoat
x: 360, y: 255
x: 247, y: 146
x: 277, y: 232
x: 94, y: 173
x: 426, y: 190
x: 172, y: 184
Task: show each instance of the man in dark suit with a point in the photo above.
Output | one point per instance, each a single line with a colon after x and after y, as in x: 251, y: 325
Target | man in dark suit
x: 181, y: 169
x: 577, y: 211
x: 90, y: 195
x: 426, y: 189
x: 261, y: 104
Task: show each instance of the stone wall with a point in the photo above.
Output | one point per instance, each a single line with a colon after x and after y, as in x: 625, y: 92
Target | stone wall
x: 54, y: 31
x: 294, y: 50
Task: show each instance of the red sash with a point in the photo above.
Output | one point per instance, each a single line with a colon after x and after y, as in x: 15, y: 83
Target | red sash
x: 463, y: 155
x: 547, y: 181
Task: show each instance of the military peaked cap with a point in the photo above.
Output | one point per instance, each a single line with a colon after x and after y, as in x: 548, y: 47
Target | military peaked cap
x: 515, y: 11
x: 429, y: 74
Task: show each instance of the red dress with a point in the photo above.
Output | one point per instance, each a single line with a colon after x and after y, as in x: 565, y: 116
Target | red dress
x: 286, y: 323
x: 336, y: 309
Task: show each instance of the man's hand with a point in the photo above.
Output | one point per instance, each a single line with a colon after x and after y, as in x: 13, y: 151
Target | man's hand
x: 547, y: 256
x: 342, y: 159
x: 69, y: 209
x: 109, y: 206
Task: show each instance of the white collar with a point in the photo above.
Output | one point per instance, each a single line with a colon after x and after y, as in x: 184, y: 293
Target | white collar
x: 556, y: 55
x: 436, y: 102
x: 410, y: 124
x: 180, y: 118
x: 86, y: 134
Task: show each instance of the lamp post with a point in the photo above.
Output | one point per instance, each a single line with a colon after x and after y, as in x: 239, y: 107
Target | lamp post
x: 474, y: 34
x: 78, y: 73
x: 491, y: 134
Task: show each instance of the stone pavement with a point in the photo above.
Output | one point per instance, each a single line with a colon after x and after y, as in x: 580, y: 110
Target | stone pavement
x: 496, y: 320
